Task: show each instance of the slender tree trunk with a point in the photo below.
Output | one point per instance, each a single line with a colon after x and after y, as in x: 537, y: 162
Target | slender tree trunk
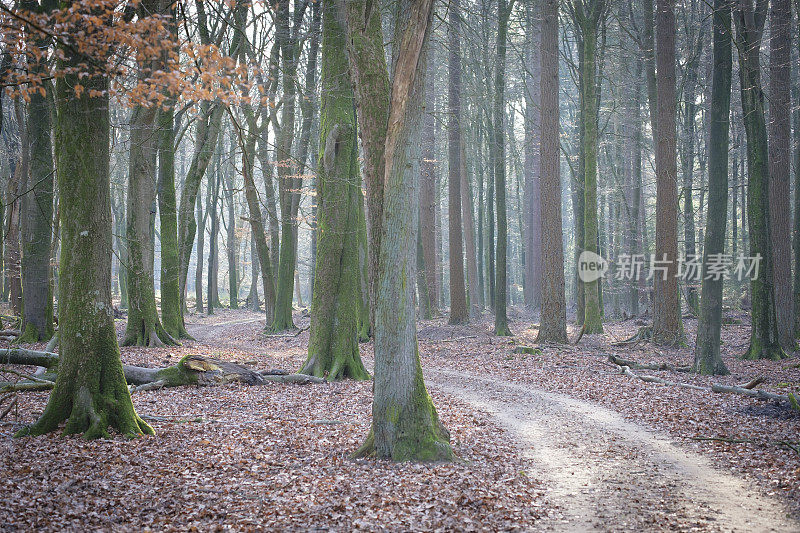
x: 171, y: 308
x: 232, y: 244
x: 553, y: 324
x: 459, y: 314
x: 707, y: 358
x: 667, y: 324
x: 780, y: 162
x: 428, y: 192
x: 198, y: 273
x: 532, y: 229
x: 468, y: 217
x: 501, y: 285
x: 764, y: 341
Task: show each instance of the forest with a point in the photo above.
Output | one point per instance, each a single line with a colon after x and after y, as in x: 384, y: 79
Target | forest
x: 407, y: 265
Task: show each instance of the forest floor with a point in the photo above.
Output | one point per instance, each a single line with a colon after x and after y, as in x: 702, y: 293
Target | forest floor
x: 557, y: 440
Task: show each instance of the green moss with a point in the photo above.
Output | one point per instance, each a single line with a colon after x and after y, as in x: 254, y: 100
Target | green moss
x: 29, y: 335
x: 177, y: 375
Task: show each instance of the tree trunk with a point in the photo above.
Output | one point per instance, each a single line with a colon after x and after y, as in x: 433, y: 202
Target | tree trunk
x: 428, y: 193
x: 258, y: 235
x: 532, y: 229
x: 232, y: 244
x: 796, y: 243
x: 37, y: 316
x: 764, y: 341
x: 90, y: 391
x: 333, y: 343
x: 198, y: 272
x: 667, y: 324
x: 288, y: 182
x: 144, y: 326
x: 459, y: 314
x: 468, y: 217
x: 367, y: 57
x: 207, y: 131
x: 171, y: 308
x: 405, y: 425
x: 707, y: 358
x: 213, y: 239
x: 589, y: 18
x: 501, y: 285
x: 553, y: 323
x: 780, y: 157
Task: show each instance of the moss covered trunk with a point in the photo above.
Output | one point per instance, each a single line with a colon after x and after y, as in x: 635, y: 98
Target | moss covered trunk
x: 764, y: 342
x: 37, y: 308
x: 144, y: 326
x: 405, y: 425
x: 707, y: 358
x: 336, y: 300
x: 593, y: 314
x: 90, y: 391
x: 288, y: 182
x: 171, y: 309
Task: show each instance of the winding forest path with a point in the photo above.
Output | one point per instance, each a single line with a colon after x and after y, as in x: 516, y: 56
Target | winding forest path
x: 601, y: 471
x: 606, y: 473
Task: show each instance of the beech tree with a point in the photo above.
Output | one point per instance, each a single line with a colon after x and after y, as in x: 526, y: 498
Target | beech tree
x: 37, y: 311
x: 749, y: 18
x: 405, y: 425
x: 588, y: 16
x: 779, y: 154
x: 333, y: 343
x: 707, y: 358
x: 90, y: 391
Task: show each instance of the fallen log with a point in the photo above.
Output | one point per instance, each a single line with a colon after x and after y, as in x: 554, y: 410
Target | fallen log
x: 719, y: 388
x: 651, y: 366
x: 190, y: 370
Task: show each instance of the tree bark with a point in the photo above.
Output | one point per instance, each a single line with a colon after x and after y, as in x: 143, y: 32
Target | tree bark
x: 749, y: 21
x: 667, y: 324
x: 553, y: 323
x: 501, y: 284
x: 90, y: 391
x: 532, y: 229
x: 707, y: 358
x: 333, y: 340
x: 144, y: 326
x: 37, y: 312
x: 405, y: 425
x: 780, y: 157
x: 459, y: 314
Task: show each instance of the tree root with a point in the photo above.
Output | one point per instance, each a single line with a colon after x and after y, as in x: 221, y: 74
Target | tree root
x: 645, y: 333
x: 580, y: 335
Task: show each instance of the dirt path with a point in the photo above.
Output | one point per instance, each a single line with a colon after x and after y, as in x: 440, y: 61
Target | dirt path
x: 605, y: 473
